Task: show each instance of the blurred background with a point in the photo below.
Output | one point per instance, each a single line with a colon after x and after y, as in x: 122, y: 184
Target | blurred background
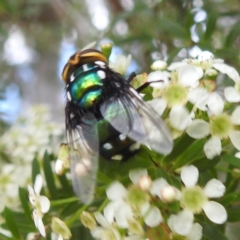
x: 37, y: 38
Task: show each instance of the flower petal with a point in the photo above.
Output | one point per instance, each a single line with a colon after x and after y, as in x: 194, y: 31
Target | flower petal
x: 153, y: 217
x: 157, y: 186
x: 214, y: 188
x: 182, y: 222
x: 190, y: 75
x: 235, y: 118
x: 101, y: 220
x: 215, y: 212
x: 180, y: 117
x: 230, y: 71
x: 38, y: 184
x: 32, y: 195
x: 136, y: 174
x: 158, y: 79
x: 108, y: 212
x: 235, y: 139
x: 39, y: 224
x: 213, y: 147
x: 232, y: 94
x: 122, y: 214
x: 199, y: 97
x: 116, y: 191
x: 215, y: 103
x: 158, y: 104
x: 176, y: 65
x: 198, y: 129
x: 189, y: 175
x: 44, y: 204
x: 195, y: 233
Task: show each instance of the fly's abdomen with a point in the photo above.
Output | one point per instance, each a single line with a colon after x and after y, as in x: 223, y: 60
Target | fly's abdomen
x: 114, y: 145
x: 85, y: 86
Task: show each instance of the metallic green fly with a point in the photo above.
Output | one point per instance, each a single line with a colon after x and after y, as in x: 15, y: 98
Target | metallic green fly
x: 99, y: 99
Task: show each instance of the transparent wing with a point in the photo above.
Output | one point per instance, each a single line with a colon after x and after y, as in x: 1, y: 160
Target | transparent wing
x: 133, y: 117
x: 83, y: 147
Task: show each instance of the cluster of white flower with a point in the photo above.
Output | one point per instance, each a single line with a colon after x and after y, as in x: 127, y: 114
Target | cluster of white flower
x: 189, y: 89
x: 41, y: 205
x: 129, y: 210
x: 31, y: 135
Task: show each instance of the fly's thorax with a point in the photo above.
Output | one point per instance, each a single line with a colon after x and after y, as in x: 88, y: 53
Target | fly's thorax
x: 85, y: 85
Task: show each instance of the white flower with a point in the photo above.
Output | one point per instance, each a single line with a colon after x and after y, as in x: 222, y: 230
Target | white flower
x: 159, y: 79
x: 106, y: 231
x: 140, y: 178
x: 205, y: 61
x: 162, y: 189
x: 182, y: 224
x: 125, y: 204
x: 152, y: 215
x: 220, y: 127
x: 232, y: 94
x: 118, y: 209
x: 159, y: 65
x: 180, y: 117
x: 40, y: 203
x: 121, y: 64
x: 195, y: 199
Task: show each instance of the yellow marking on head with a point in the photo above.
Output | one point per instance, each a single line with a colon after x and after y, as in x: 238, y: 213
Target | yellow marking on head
x: 80, y: 58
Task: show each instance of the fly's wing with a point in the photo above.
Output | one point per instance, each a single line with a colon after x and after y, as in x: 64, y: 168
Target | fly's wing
x: 83, y: 147
x: 133, y: 117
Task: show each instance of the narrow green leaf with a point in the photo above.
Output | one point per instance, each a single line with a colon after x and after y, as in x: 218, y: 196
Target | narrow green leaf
x: 234, y: 214
x: 190, y: 154
x: 175, y: 29
x: 234, y: 161
x: 211, y: 24
x: 204, y: 164
x: 179, y: 147
x: 24, y: 201
x: 49, y: 176
x: 230, y: 198
x: 233, y: 35
x: 170, y: 178
x: 11, y: 223
x: 211, y: 231
x: 173, y: 53
x: 65, y: 183
x: 35, y: 169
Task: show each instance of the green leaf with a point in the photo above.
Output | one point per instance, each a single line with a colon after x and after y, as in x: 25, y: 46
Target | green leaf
x: 234, y: 214
x: 173, y: 53
x: 190, y: 154
x: 65, y: 184
x: 11, y: 223
x: 204, y: 164
x: 49, y: 176
x: 230, y: 198
x: 211, y: 231
x: 179, y: 147
x: 175, y: 29
x: 169, y: 177
x: 25, y: 203
x: 234, y: 161
x: 233, y: 35
x: 211, y: 24
x: 35, y: 169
